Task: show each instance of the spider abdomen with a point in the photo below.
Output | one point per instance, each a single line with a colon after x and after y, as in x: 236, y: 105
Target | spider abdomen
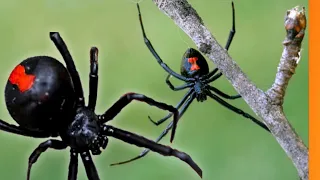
x: 39, y: 94
x: 193, y: 64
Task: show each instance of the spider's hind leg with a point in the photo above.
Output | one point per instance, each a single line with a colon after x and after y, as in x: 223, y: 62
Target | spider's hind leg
x: 4, y: 126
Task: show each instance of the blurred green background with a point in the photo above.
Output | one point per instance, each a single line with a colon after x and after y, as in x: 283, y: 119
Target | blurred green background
x: 226, y: 145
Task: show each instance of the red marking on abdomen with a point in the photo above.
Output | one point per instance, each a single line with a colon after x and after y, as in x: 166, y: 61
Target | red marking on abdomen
x: 19, y: 77
x: 193, y: 62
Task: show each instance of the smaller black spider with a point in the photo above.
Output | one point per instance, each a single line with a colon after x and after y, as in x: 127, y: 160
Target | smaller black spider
x: 46, y: 100
x: 195, y: 72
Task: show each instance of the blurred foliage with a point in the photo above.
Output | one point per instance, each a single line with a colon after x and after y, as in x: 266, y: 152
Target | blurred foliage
x: 226, y: 145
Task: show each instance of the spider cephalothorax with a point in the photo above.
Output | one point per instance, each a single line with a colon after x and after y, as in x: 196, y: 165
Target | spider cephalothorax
x: 46, y: 100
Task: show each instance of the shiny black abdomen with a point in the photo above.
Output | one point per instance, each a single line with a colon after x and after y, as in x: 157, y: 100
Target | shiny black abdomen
x: 50, y: 99
x: 201, y: 62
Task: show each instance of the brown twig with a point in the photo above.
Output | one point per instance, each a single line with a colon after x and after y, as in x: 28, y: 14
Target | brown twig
x: 295, y: 25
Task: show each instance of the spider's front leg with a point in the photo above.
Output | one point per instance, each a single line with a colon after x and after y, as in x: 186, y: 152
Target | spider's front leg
x: 73, y: 165
x: 178, y: 106
x: 186, y: 103
x: 52, y: 143
x: 233, y: 29
x: 141, y: 141
x: 93, y: 78
x: 127, y: 98
x: 189, y: 85
x: 230, y: 38
x: 91, y: 170
x: 155, y: 54
x: 63, y: 49
x: 181, y: 102
x: 178, y: 88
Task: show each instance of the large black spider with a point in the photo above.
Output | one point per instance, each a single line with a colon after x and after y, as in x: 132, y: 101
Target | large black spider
x: 46, y: 100
x: 195, y: 72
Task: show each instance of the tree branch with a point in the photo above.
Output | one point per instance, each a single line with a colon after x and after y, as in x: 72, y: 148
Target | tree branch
x: 295, y: 25
x: 267, y: 105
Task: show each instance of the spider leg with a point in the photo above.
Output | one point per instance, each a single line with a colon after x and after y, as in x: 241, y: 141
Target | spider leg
x: 127, y: 98
x: 155, y: 54
x: 210, y: 74
x: 141, y: 141
x: 184, y: 98
x: 164, y: 133
x: 213, y: 78
x: 93, y: 78
x: 233, y: 30
x: 4, y: 126
x: 52, y: 143
x: 178, y: 88
x: 73, y: 165
x: 230, y: 38
x: 224, y: 95
x: 238, y: 111
x: 181, y: 112
x: 62, y: 47
x: 91, y: 170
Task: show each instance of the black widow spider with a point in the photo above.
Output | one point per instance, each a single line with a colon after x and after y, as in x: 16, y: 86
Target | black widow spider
x: 46, y: 100
x: 195, y: 72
